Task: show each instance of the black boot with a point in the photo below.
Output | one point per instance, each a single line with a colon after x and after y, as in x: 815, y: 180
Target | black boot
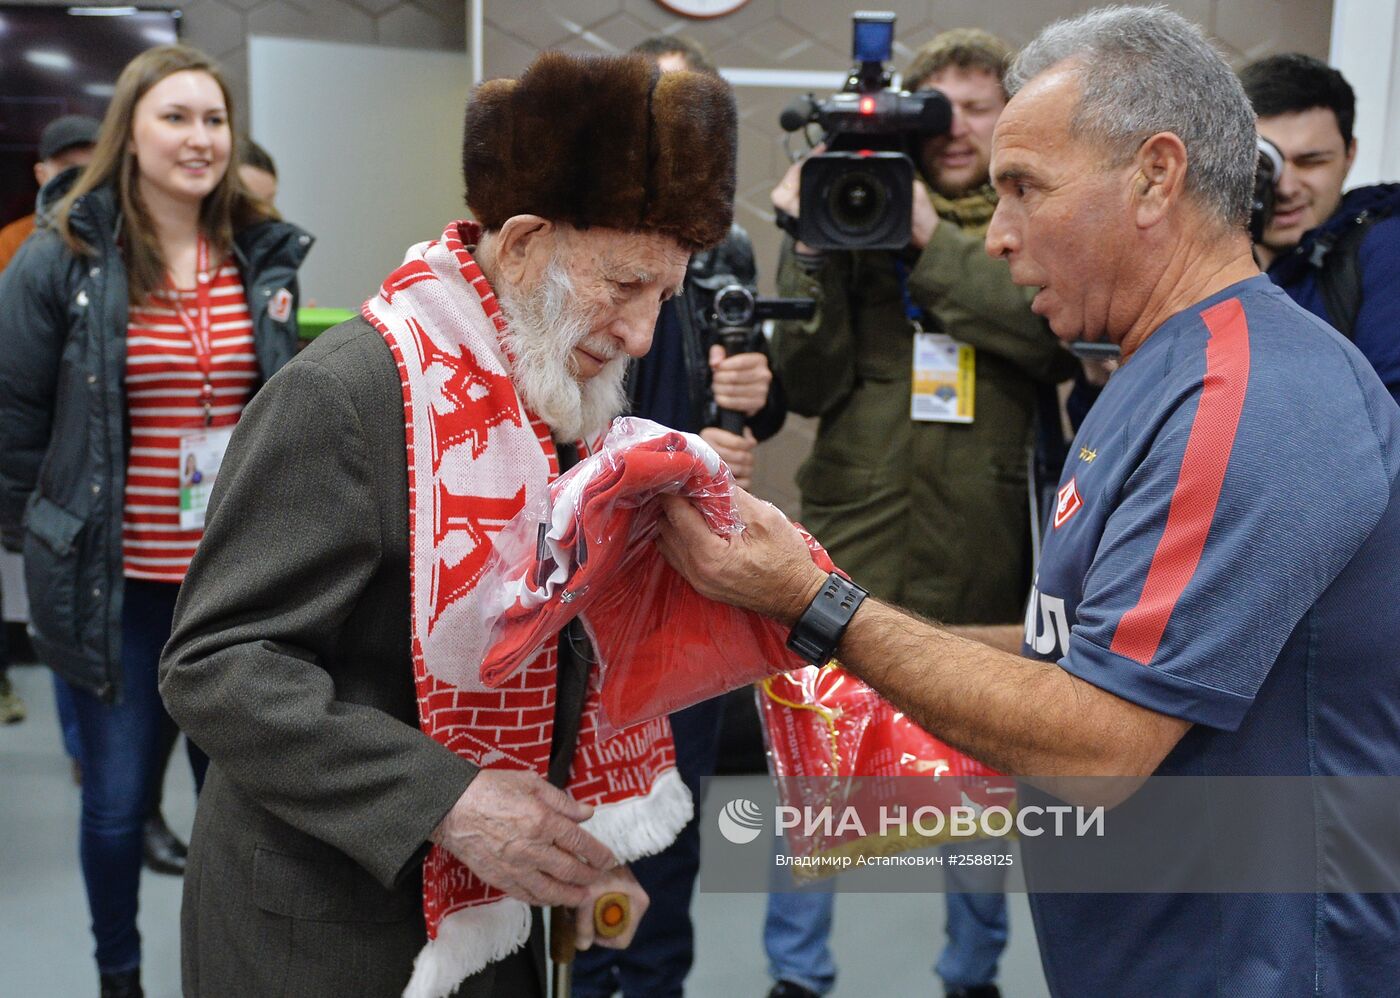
x: 127, y: 985
x: 789, y: 989
x: 976, y: 991
x: 163, y: 852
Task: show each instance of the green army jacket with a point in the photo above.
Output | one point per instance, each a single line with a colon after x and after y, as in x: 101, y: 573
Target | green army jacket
x: 932, y: 516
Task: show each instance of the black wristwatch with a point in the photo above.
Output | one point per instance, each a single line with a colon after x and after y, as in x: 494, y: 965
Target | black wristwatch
x: 818, y: 631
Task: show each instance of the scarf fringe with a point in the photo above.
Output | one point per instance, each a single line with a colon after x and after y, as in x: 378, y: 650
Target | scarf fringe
x: 641, y: 826
x: 467, y: 941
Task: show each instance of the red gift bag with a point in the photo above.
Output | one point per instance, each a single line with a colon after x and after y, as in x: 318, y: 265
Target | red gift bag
x: 864, y: 778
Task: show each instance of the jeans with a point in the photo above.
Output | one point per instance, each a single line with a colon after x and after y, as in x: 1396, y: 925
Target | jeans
x: 662, y: 951
x: 976, y: 925
x: 120, y: 748
x: 67, y: 718
x: 797, y: 928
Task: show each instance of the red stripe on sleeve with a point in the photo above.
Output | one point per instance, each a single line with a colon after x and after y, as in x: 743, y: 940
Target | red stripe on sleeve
x: 1198, y: 484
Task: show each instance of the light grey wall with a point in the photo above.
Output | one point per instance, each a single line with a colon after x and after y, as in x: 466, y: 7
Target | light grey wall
x: 368, y: 144
x: 1366, y: 48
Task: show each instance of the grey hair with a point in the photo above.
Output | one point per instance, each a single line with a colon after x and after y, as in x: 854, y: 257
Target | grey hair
x: 1144, y: 70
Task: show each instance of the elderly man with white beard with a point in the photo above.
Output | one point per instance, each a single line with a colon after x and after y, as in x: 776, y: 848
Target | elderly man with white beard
x: 375, y: 821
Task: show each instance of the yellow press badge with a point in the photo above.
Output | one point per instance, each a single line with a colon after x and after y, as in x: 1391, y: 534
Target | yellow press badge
x: 945, y: 379
x: 201, y: 453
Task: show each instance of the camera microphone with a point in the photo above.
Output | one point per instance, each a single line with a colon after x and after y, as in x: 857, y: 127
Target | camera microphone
x: 798, y: 113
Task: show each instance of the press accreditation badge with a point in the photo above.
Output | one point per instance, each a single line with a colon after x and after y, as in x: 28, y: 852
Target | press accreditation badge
x: 945, y: 379
x: 201, y: 453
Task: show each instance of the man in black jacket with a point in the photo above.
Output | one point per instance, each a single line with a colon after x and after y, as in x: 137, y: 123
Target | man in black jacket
x: 683, y: 382
x: 1336, y: 255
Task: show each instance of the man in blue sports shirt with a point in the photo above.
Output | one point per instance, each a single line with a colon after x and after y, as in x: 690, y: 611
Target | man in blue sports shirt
x: 1215, y: 595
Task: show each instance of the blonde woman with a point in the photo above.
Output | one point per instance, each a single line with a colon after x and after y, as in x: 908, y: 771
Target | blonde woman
x: 136, y: 330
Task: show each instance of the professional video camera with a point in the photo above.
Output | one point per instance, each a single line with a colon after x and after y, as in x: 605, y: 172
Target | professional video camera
x: 731, y: 318
x: 1266, y: 178
x: 859, y: 193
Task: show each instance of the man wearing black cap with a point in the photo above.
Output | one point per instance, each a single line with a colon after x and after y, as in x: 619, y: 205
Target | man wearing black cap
x: 376, y: 821
x: 66, y: 142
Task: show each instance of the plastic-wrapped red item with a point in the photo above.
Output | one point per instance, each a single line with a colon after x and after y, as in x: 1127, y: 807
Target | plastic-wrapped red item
x: 660, y: 644
x: 834, y: 743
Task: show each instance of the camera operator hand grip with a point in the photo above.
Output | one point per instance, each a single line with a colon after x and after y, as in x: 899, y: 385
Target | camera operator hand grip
x: 736, y: 313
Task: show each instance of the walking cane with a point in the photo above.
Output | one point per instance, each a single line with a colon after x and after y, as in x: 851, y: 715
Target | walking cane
x: 611, y: 913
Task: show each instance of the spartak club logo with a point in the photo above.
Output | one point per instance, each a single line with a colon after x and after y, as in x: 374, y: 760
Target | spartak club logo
x: 1067, y: 503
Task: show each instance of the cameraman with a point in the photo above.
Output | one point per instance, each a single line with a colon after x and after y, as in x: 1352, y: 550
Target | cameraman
x: 681, y: 383
x: 934, y: 515
x: 1338, y: 257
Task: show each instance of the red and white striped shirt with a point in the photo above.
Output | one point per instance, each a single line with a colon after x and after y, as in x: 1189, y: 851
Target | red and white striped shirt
x: 163, y: 384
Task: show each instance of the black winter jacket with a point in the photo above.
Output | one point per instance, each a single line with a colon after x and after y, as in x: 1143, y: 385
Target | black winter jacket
x: 64, y: 429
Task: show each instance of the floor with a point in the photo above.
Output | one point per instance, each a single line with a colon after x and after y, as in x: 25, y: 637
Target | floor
x: 884, y: 943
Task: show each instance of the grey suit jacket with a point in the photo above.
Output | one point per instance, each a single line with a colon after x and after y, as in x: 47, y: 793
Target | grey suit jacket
x: 289, y: 664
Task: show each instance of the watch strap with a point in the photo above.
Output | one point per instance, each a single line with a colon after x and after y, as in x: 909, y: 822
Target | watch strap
x: 819, y: 630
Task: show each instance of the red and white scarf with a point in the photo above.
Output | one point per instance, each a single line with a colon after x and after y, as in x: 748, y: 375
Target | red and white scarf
x: 476, y: 458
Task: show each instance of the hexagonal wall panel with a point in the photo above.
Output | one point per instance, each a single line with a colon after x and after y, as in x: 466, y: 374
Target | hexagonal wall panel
x: 504, y: 55
x: 412, y: 27
x: 772, y: 43
x: 213, y: 27
x: 584, y: 13
x: 329, y: 20
x: 525, y: 22
x: 376, y: 7
x: 622, y: 31
x: 665, y: 22
x: 1258, y: 27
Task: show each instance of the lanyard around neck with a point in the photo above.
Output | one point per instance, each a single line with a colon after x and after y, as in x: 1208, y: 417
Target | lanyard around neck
x: 199, y: 325
x: 912, y: 312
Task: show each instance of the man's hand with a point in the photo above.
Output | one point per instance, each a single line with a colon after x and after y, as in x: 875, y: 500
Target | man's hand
x: 766, y: 568
x: 521, y: 834
x: 616, y: 881
x: 924, y: 219
x: 787, y: 196
x: 736, y: 451
x: 740, y: 383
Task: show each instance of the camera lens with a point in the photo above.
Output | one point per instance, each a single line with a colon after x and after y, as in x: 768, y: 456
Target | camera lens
x: 734, y: 305
x: 857, y: 201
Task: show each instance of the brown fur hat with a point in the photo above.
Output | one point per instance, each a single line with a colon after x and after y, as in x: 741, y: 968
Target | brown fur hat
x: 606, y: 141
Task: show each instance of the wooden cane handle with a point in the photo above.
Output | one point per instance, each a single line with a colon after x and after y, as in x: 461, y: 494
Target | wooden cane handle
x: 611, y: 914
x: 562, y: 937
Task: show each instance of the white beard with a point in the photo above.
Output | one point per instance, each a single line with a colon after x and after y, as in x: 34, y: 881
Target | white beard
x: 543, y: 327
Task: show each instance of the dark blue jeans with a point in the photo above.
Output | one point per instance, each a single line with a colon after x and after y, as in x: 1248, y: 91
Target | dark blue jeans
x: 121, y: 758
x: 797, y: 928
x: 67, y: 718
x: 662, y: 951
